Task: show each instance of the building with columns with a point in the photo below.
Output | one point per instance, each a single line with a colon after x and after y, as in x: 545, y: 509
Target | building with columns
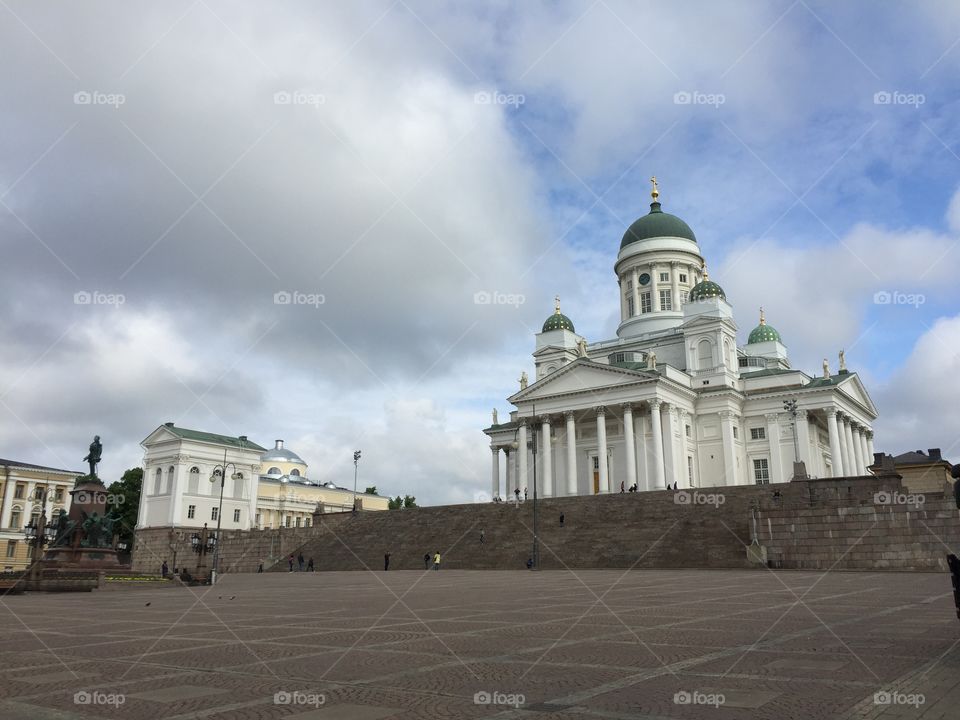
x: 673, y: 399
x: 178, y: 464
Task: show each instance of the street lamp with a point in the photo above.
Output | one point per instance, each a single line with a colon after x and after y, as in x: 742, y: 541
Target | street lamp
x: 39, y: 533
x: 791, y: 407
x: 202, y: 543
x: 220, y: 472
x: 356, y: 463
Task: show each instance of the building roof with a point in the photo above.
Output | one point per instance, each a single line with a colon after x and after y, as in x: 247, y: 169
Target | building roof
x: 918, y: 457
x: 656, y: 224
x: 31, y: 466
x: 281, y: 454
x: 238, y: 442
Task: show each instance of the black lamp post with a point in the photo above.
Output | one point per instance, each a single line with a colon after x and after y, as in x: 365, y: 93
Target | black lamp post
x: 40, y: 533
x: 202, y: 543
x: 536, y: 520
x: 356, y: 465
x: 791, y: 407
x: 221, y: 471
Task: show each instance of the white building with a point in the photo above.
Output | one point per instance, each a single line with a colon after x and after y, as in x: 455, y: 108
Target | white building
x: 178, y: 465
x: 673, y: 399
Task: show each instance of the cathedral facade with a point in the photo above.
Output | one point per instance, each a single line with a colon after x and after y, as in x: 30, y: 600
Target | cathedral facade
x: 673, y: 400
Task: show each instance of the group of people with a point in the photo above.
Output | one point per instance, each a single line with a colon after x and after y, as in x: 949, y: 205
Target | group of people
x: 290, y: 563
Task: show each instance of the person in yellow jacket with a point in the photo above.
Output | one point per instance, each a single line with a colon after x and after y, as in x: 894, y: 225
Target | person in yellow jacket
x: 436, y: 560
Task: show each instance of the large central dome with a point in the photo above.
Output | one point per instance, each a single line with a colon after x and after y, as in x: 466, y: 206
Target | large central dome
x: 656, y: 224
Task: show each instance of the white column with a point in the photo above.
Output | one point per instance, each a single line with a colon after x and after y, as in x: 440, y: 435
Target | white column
x: 507, y: 472
x: 547, y: 457
x: 674, y: 284
x: 571, y: 455
x: 7, y: 500
x: 845, y: 461
x: 834, y: 434
x: 522, y: 457
x: 602, y: 449
x: 636, y: 291
x: 726, y: 431
x: 776, y: 451
x: 670, y: 445
x: 870, y: 450
x: 654, y: 290
x: 852, y: 468
x: 495, y: 472
x: 803, y: 438
x: 867, y: 457
x: 643, y: 466
x: 857, y: 448
x: 656, y: 446
x: 176, y: 494
x: 623, y: 298
x: 682, y: 417
x: 629, y: 438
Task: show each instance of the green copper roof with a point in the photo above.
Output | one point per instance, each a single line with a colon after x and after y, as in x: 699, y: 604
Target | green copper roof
x: 706, y: 289
x: 656, y: 224
x: 558, y: 321
x: 763, y: 333
x: 187, y: 434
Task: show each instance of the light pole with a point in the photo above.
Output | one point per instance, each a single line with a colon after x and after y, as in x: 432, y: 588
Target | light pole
x: 223, y: 480
x: 39, y: 534
x: 791, y: 407
x: 356, y: 464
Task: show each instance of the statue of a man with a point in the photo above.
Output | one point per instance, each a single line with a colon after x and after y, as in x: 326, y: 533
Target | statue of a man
x: 843, y: 361
x: 651, y: 360
x: 523, y: 380
x: 826, y: 369
x: 582, y: 347
x: 495, y: 421
x: 93, y: 457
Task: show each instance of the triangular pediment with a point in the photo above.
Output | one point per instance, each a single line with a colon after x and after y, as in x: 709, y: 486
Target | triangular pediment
x: 160, y: 434
x: 855, y: 389
x: 581, y: 376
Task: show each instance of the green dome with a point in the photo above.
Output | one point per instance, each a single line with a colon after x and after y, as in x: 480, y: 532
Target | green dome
x: 656, y: 224
x: 558, y: 321
x: 763, y: 332
x: 706, y: 289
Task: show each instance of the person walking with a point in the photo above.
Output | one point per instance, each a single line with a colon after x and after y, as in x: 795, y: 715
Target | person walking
x: 426, y: 561
x: 621, y: 486
x: 561, y: 519
x: 310, y: 565
x: 290, y: 560
x: 516, y: 493
x: 164, y: 570
x: 386, y: 561
x: 260, y: 567
x: 524, y: 493
x: 300, y: 561
x: 481, y: 536
x: 436, y: 560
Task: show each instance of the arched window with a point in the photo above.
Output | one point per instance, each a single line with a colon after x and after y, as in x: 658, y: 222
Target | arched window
x: 193, y: 483
x: 16, y: 516
x: 730, y: 359
x: 157, y: 481
x: 238, y: 485
x: 704, y: 354
x: 170, y: 472
x: 295, y: 473
x: 274, y: 471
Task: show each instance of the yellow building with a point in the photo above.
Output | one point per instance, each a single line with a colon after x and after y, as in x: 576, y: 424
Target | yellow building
x: 923, y: 472
x: 286, y: 497
x: 25, y: 490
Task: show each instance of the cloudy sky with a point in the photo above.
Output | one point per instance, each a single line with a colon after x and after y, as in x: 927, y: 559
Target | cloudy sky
x: 168, y: 171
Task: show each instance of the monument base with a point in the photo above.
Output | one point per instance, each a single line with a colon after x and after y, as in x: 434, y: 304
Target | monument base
x: 81, y: 558
x: 800, y: 471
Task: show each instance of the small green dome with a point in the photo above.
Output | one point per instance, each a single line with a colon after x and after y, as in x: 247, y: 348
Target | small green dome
x: 763, y: 332
x: 656, y: 224
x: 704, y: 289
x: 558, y: 321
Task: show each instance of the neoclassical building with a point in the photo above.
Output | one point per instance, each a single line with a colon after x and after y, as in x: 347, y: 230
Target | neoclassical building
x: 181, y: 484
x: 673, y: 399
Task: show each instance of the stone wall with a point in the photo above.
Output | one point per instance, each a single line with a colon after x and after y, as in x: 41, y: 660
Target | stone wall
x: 839, y: 523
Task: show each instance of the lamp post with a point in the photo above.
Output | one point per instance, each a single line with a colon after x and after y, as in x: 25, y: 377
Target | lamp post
x: 39, y: 534
x: 536, y: 526
x: 202, y: 543
x: 356, y: 464
x: 791, y: 407
x: 223, y: 480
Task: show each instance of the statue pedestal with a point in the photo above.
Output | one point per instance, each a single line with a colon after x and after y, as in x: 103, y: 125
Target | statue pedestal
x: 85, y: 545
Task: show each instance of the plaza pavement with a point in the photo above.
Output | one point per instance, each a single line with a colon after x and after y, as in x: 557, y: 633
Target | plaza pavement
x: 588, y: 645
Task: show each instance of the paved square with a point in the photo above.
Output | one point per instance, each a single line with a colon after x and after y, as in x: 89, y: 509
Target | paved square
x: 600, y: 644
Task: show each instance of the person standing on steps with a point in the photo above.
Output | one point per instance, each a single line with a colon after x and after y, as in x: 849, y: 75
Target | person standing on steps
x: 561, y: 519
x: 524, y: 493
x: 164, y: 570
x: 621, y: 486
x: 426, y: 561
x: 436, y: 561
x: 516, y: 493
x: 300, y: 561
x: 260, y: 567
x: 290, y: 560
x: 310, y: 565
x: 386, y: 561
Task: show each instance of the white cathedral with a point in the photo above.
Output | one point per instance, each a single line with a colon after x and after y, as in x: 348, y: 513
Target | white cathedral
x: 672, y: 400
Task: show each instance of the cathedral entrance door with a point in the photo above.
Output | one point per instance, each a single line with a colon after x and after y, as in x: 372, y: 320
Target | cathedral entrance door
x: 595, y: 464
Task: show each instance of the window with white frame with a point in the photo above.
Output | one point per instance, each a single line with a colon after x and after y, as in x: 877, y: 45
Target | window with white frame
x: 236, y: 515
x: 761, y: 471
x: 683, y: 277
x: 631, y: 309
x: 191, y: 511
x: 214, y: 513
x: 690, y: 469
x: 684, y: 296
x: 758, y: 433
x: 664, y: 277
x: 666, y: 301
x: 645, y: 303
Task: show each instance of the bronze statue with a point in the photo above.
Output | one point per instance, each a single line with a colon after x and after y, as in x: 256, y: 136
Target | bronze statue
x: 93, y: 457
